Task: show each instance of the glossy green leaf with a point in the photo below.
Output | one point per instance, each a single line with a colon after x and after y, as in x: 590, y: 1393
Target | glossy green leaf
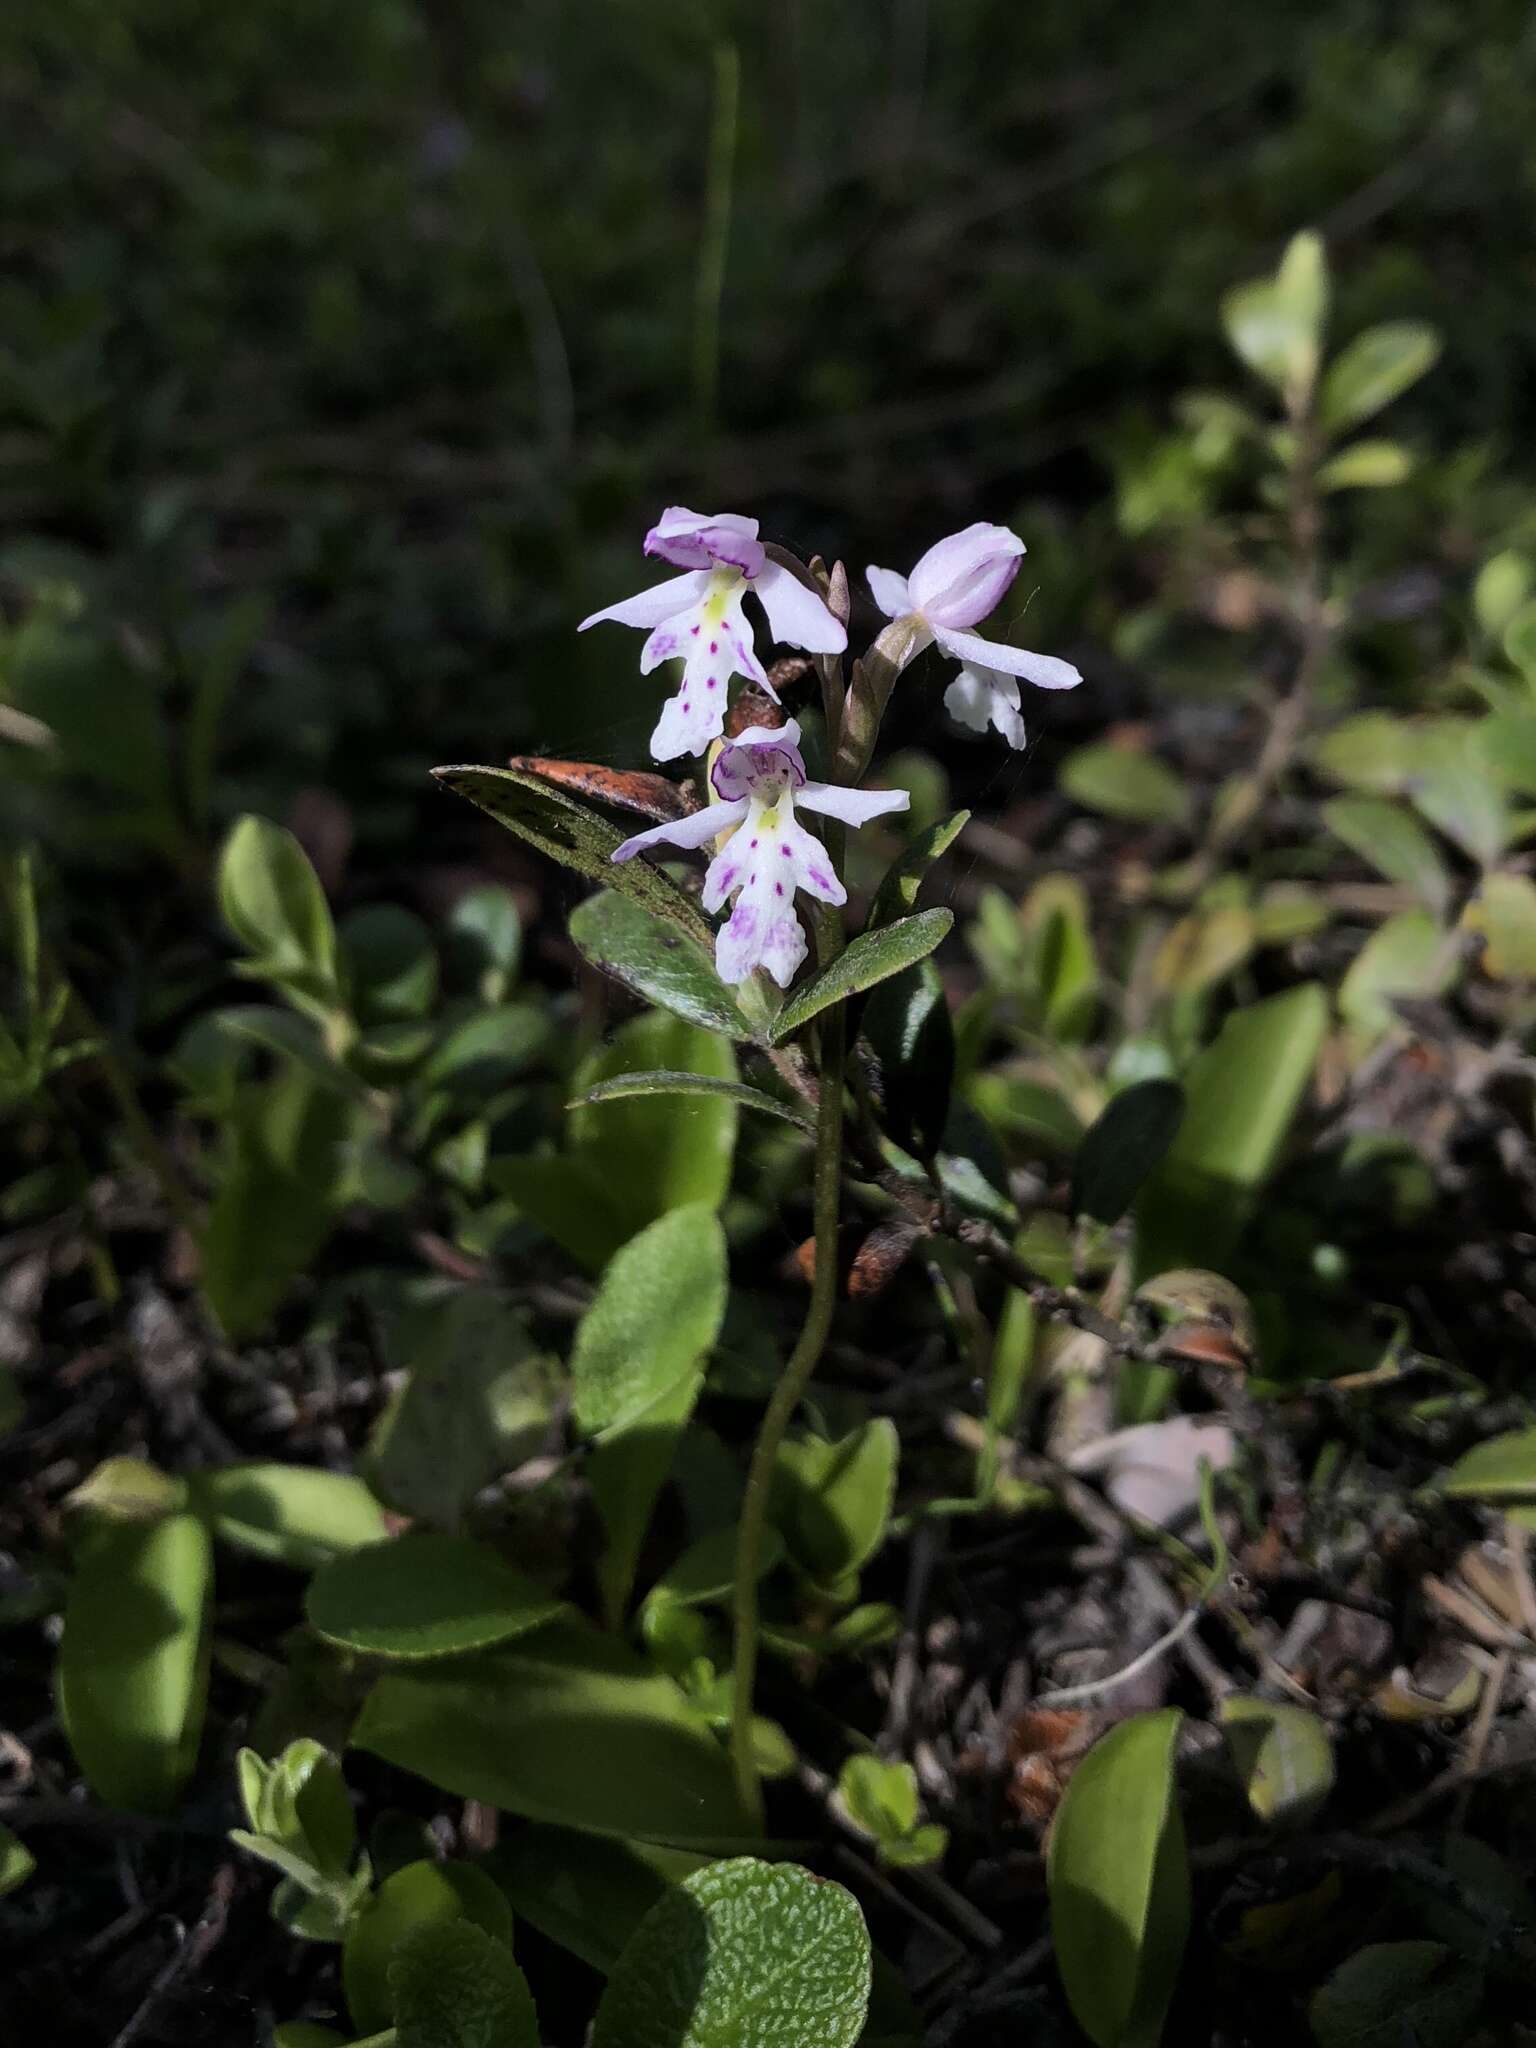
x: 741, y: 1955
x: 1123, y: 1146
x: 1118, y: 1880
x: 477, y: 1400
x: 899, y: 887
x: 457, y: 1987
x: 1366, y: 466
x: 291, y: 1514
x: 422, y: 1895
x: 882, y: 1798
x: 656, y: 960
x: 576, y: 836
x: 1122, y: 783
x: 1411, y: 955
x: 17, y: 1862
x: 424, y: 1595
x: 1241, y: 1097
x: 568, y: 1726
x: 660, y: 1082
x: 1376, y: 367
x: 870, y: 958
x: 1282, y: 1754
x: 132, y: 1673
x: 586, y: 1893
x: 907, y: 1026
x: 1393, y: 842
x: 1397, y: 1991
x: 1503, y: 1468
x: 831, y: 1501
x: 657, y: 1314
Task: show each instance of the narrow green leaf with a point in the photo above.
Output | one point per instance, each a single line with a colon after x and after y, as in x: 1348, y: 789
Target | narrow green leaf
x: 1118, y: 1881
x: 660, y: 1082
x: 17, y: 1862
x: 424, y: 1595
x: 629, y: 1466
x: 657, y: 961
x: 1393, y: 841
x: 899, y: 888
x: 1503, y: 1468
x: 907, y: 1026
x: 583, y: 1892
x: 422, y: 1895
x: 657, y: 1313
x: 273, y: 903
x: 741, y: 1953
x: 1120, y: 782
x: 290, y: 1514
x: 1123, y: 1147
x: 1410, y: 955
x: 132, y: 1674
x: 1376, y: 367
x: 457, y: 1987
x: 565, y: 1725
x: 576, y: 836
x: 1366, y: 466
x: 870, y: 958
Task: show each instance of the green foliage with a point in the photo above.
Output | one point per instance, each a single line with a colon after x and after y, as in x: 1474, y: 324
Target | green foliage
x: 1119, y: 1884
x: 292, y: 1514
x: 870, y: 958
x: 423, y: 1595
x: 742, y: 1955
x: 657, y: 961
x: 882, y: 1799
x: 1282, y: 1754
x: 457, y: 1987
x: 386, y: 1936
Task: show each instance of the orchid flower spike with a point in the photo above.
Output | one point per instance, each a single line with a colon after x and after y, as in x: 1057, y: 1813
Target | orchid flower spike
x: 758, y: 779
x: 954, y: 586
x: 699, y: 617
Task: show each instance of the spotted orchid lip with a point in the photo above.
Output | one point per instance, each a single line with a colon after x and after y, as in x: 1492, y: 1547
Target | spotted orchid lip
x: 740, y: 771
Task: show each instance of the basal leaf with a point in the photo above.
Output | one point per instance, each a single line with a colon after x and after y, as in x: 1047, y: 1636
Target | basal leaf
x: 457, y: 1987
x: 424, y: 1895
x: 869, y: 958
x: 742, y: 1955
x: 424, y: 1595
x: 657, y: 961
x: 832, y: 1500
x: 1283, y: 1755
x: 576, y: 836
x: 657, y: 1314
x: 585, y: 1892
x: 1118, y: 1881
x: 292, y: 1514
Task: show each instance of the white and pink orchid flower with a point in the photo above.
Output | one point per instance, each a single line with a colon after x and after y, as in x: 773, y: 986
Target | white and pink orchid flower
x: 953, y: 587
x: 758, y: 779
x: 699, y: 618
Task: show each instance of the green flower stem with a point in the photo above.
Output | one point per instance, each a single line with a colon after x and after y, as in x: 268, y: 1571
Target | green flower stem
x: 786, y: 1398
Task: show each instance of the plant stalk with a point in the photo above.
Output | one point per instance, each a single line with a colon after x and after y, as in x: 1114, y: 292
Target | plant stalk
x: 786, y: 1398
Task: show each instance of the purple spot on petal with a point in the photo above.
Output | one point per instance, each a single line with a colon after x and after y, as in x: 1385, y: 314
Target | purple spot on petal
x: 694, y: 630
x: 714, y: 646
x: 754, y: 842
x: 778, y: 888
x: 709, y: 683
x: 785, y: 851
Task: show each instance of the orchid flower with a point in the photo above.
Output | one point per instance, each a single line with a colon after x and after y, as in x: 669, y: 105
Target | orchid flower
x: 954, y: 586
x: 758, y: 779
x: 699, y: 617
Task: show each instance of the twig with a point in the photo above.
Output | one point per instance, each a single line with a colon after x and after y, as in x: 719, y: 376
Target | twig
x: 193, y: 1952
x: 1070, y: 1695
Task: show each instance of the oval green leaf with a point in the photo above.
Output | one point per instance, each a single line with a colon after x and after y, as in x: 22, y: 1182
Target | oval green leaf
x: 290, y: 1514
x: 424, y: 1595
x: 1123, y: 1146
x: 1121, y: 783
x: 657, y: 1313
x: 1375, y: 368
x: 1282, y: 1754
x: 1118, y: 1879
x: 742, y: 1955
x: 457, y: 1987
x: 872, y: 957
x: 1391, y: 840
x: 1503, y: 1468
x: 422, y: 1895
x: 657, y: 961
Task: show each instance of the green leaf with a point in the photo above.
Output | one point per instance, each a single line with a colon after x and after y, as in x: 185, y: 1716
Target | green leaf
x: 907, y: 1026
x: 1283, y: 1755
x: 657, y: 1314
x: 424, y: 1595
x: 706, y: 1571
x: 1397, y: 1991
x: 17, y: 1862
x: 1121, y: 783
x: 132, y: 1674
x: 1203, y: 949
x: 657, y: 961
x: 1118, y: 1881
x: 1502, y: 587
x: 1241, y: 1096
x: 576, y: 836
x: 869, y: 958
x: 1503, y: 913
x: 629, y: 1467
x: 882, y: 1798
x: 1410, y: 955
x: 1392, y: 841
x: 1377, y: 366
x: 289, y: 1514
x: 476, y: 1402
x: 660, y: 1082
x: 1503, y: 1468
x: 457, y: 1987
x: 1373, y: 751
x: 831, y: 1502
x: 1125, y: 1144
x: 741, y: 1955
x: 391, y: 964
x: 1366, y: 466
x: 1459, y: 789
x: 422, y: 1895
x: 1276, y: 324
x: 581, y: 1891
x: 566, y: 1725
x: 273, y: 903
x: 1507, y: 743
x: 902, y: 881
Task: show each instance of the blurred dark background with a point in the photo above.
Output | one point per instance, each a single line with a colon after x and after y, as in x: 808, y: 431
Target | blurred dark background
x: 346, y: 351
